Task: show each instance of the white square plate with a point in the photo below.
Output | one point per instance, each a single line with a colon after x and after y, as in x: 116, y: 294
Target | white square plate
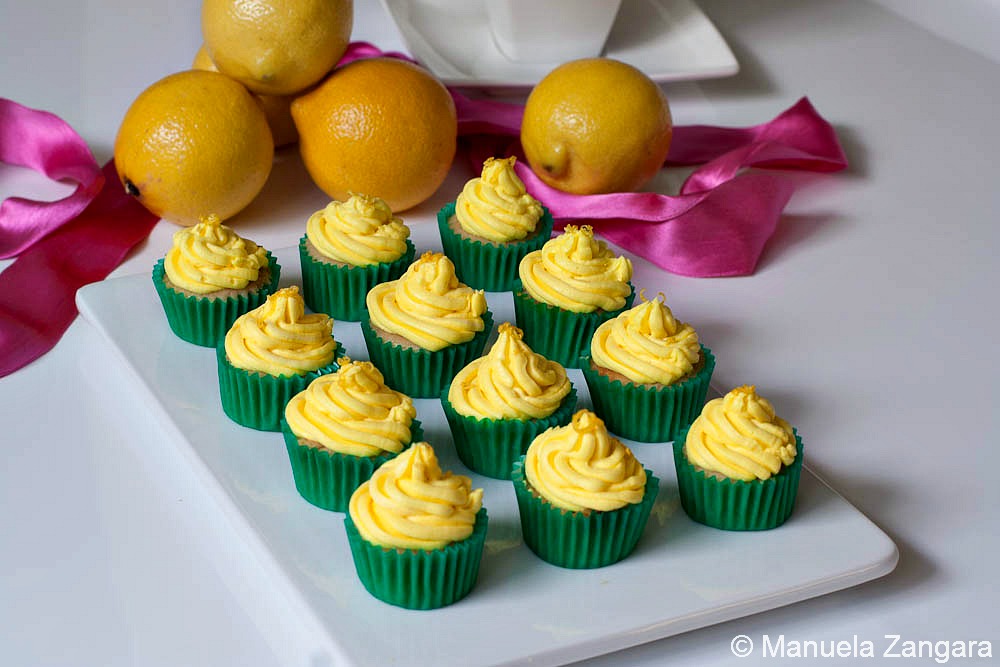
x: 669, y: 40
x: 297, y: 577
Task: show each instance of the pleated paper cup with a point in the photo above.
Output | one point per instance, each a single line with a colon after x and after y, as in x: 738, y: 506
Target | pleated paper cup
x: 420, y: 373
x: 491, y: 446
x: 340, y: 291
x: 257, y: 400
x: 417, y: 579
x: 732, y: 504
x: 580, y: 540
x: 558, y: 334
x: 646, y: 413
x: 326, y: 478
x: 204, y: 320
x: 489, y: 266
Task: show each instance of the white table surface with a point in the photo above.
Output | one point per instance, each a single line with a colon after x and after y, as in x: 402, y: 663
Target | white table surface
x: 871, y: 323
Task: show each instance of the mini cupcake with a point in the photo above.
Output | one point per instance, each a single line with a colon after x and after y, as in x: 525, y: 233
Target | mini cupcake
x: 348, y: 248
x: 492, y: 225
x: 416, y: 533
x: 269, y: 355
x: 498, y: 403
x: 583, y: 498
x: 648, y: 375
x: 341, y: 428
x: 566, y: 290
x: 738, y: 464
x: 423, y: 328
x: 209, y: 277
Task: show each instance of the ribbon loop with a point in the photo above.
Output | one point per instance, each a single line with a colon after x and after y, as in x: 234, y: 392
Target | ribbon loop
x: 44, y: 142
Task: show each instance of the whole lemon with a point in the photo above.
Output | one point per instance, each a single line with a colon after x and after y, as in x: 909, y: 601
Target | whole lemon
x: 276, y: 47
x: 193, y: 144
x: 596, y: 125
x: 381, y: 126
x: 277, y: 108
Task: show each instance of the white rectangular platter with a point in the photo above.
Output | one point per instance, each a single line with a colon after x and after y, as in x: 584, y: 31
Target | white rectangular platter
x: 300, y: 578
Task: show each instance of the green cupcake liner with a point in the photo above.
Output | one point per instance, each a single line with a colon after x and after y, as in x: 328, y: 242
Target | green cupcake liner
x: 326, y: 478
x: 734, y: 504
x: 203, y: 320
x: 257, y: 400
x: 340, y: 291
x: 484, y: 265
x: 491, y: 446
x: 649, y: 414
x: 577, y: 540
x: 558, y: 334
x: 417, y: 579
x: 421, y: 373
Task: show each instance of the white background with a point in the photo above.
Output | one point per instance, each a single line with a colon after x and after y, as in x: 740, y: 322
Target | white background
x: 870, y: 323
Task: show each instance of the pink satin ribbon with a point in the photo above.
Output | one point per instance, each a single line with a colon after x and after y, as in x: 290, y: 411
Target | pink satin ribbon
x: 61, y: 245
x: 42, y: 141
x: 716, y: 225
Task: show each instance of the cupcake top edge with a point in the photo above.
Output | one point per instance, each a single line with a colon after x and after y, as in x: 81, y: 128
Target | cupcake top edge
x: 410, y: 503
x: 510, y: 382
x: 647, y: 344
x: 740, y: 436
x: 581, y: 467
x: 280, y: 338
x: 360, y: 231
x: 428, y: 305
x: 210, y: 256
x: 576, y: 271
x: 353, y: 412
x: 496, y: 206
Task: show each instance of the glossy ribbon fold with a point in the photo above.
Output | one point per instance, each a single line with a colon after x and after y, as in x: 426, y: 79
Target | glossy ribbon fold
x: 716, y: 225
x: 38, y: 291
x: 45, y: 143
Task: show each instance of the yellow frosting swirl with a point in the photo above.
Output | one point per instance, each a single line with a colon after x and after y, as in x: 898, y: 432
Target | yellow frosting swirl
x: 496, y: 206
x: 410, y: 504
x: 279, y: 338
x: 427, y: 305
x: 210, y: 256
x: 646, y: 344
x: 580, y: 467
x: 352, y: 412
x: 358, y: 232
x: 739, y: 436
x: 577, y: 272
x: 510, y: 382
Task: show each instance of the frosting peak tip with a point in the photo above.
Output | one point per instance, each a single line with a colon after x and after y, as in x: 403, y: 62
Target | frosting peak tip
x: 586, y: 421
x: 430, y: 256
x: 660, y: 297
x: 510, y: 330
x: 290, y: 291
x: 490, y: 161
